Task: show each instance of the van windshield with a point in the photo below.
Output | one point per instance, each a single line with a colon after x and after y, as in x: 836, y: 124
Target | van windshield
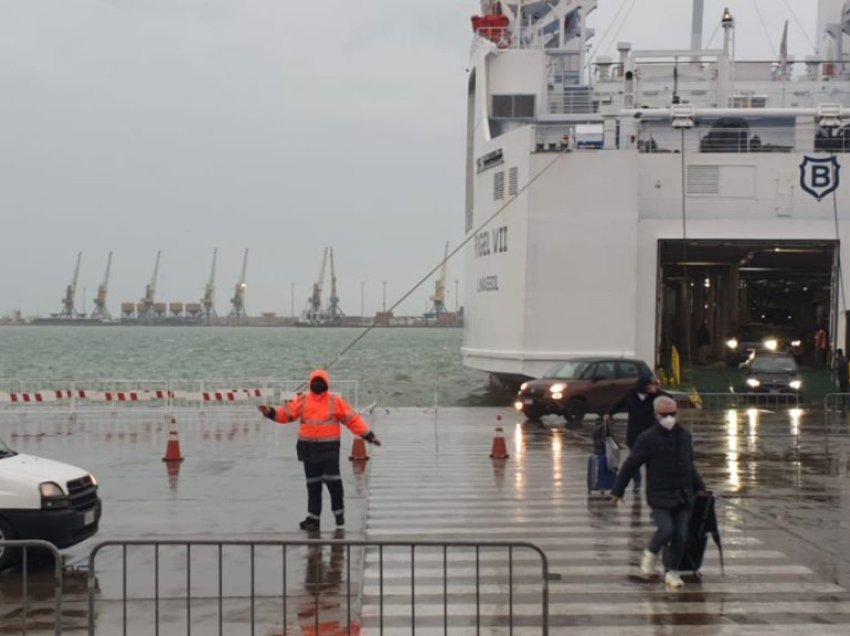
x: 568, y: 370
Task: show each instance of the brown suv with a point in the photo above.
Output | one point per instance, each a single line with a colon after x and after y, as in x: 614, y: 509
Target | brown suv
x: 578, y: 386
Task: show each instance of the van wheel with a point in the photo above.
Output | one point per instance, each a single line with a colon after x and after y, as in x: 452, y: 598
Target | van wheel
x: 575, y: 411
x: 8, y: 556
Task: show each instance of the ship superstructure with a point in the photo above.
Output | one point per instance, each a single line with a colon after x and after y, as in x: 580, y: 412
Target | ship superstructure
x: 635, y: 198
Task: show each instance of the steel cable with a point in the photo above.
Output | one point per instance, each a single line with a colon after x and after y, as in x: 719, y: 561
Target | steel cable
x: 448, y: 257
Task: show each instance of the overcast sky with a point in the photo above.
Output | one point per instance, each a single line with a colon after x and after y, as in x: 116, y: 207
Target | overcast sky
x: 281, y: 126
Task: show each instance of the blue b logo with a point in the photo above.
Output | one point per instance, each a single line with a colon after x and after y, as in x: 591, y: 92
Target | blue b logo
x: 820, y: 177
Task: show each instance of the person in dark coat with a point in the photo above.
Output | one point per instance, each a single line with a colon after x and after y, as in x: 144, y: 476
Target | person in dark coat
x: 672, y: 484
x: 637, y: 402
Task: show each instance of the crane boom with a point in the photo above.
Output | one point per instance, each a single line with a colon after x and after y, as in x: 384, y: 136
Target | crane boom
x: 100, y: 309
x: 150, y: 292
x: 208, y: 301
x: 334, y: 311
x: 237, y: 311
x: 69, y: 309
x: 316, y: 297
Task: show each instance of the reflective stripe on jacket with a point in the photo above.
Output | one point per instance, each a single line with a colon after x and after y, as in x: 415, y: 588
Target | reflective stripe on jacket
x: 321, y: 417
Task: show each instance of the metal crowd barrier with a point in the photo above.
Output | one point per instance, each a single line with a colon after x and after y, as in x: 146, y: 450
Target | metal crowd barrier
x: 836, y: 401
x: 114, y: 396
x: 332, y: 604
x: 724, y: 401
x: 26, y: 607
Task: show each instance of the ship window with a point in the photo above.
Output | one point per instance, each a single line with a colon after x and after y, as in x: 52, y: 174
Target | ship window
x: 499, y: 186
x: 513, y: 182
x: 513, y: 107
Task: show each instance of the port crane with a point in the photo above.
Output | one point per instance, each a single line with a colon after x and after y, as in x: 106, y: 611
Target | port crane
x: 334, y: 312
x: 208, y: 301
x: 439, y: 298
x: 146, y: 308
x: 237, y: 312
x: 314, y: 314
x: 100, y: 310
x: 68, y: 303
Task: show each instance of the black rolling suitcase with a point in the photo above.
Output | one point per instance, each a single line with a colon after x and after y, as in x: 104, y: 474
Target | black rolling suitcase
x: 703, y: 523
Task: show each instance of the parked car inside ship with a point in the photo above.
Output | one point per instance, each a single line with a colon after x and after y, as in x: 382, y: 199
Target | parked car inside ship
x: 578, y: 386
x: 773, y: 373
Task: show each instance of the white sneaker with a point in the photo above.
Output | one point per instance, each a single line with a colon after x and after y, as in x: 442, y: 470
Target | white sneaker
x: 647, y: 563
x: 672, y: 579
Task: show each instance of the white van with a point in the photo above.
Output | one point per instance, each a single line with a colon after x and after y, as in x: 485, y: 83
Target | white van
x: 44, y: 499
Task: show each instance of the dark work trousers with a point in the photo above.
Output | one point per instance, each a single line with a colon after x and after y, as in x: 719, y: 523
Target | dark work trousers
x: 324, y: 471
x: 672, y: 532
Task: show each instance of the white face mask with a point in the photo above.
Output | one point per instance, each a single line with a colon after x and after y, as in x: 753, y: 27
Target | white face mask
x: 668, y: 421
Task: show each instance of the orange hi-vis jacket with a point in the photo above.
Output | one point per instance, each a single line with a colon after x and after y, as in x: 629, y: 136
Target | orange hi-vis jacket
x: 321, y: 415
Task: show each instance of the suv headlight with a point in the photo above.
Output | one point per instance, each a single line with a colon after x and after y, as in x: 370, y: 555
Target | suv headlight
x: 52, y: 496
x: 796, y: 343
x: 796, y: 384
x: 732, y: 343
x: 771, y: 344
x: 753, y: 383
x: 558, y: 387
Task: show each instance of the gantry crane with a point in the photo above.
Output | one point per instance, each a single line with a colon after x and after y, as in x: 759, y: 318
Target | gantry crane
x: 439, y: 298
x: 208, y: 301
x: 146, y: 306
x: 334, y: 312
x: 101, y: 312
x: 69, y: 309
x: 237, y: 303
x: 314, y: 314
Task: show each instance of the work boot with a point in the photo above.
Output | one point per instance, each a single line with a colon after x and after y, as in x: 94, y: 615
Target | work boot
x: 340, y: 520
x: 672, y: 579
x: 647, y: 563
x: 309, y: 524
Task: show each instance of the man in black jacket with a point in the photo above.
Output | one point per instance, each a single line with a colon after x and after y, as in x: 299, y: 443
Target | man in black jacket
x: 672, y: 483
x: 637, y: 402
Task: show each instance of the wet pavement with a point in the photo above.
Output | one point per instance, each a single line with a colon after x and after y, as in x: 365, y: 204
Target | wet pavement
x: 784, y: 508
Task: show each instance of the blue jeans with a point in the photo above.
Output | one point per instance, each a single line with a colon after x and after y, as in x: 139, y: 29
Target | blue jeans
x: 672, y: 532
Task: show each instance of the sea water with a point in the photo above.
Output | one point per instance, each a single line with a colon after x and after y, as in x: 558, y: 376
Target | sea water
x: 394, y: 366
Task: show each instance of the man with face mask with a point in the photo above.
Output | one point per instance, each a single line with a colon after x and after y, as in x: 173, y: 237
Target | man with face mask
x: 672, y: 483
x: 321, y: 414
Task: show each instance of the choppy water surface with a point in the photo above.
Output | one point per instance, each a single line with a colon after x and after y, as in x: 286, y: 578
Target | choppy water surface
x: 397, y: 367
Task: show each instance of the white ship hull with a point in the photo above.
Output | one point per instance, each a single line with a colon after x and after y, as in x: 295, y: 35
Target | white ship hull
x: 574, y: 263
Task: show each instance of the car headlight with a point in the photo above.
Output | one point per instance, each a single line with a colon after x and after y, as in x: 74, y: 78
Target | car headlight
x: 523, y: 386
x: 93, y: 480
x: 732, y: 343
x: 557, y: 396
x: 518, y: 405
x: 558, y: 388
x: 52, y: 495
x: 771, y: 344
x: 753, y: 383
x: 796, y: 343
x: 796, y: 384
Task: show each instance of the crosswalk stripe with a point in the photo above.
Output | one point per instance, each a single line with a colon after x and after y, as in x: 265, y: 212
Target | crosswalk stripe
x: 593, y: 548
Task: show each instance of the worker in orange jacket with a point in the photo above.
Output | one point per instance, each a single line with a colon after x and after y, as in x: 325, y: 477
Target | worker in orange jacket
x: 321, y: 413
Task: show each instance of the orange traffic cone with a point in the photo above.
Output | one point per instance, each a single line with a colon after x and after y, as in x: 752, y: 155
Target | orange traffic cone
x: 358, y: 451
x: 172, y: 450
x: 499, y: 449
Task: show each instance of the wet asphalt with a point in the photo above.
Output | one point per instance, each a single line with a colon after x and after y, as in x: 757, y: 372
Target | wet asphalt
x: 781, y: 478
